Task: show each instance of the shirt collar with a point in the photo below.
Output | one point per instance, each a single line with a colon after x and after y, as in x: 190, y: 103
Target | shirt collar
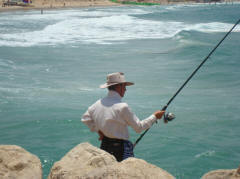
x: 114, y: 94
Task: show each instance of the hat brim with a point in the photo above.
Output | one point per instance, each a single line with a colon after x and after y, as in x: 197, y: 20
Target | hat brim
x: 106, y: 85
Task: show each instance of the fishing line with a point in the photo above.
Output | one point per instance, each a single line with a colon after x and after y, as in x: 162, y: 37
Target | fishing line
x: 189, y: 78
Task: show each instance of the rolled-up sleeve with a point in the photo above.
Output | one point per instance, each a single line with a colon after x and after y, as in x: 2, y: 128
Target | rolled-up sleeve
x: 133, y: 121
x: 86, y: 119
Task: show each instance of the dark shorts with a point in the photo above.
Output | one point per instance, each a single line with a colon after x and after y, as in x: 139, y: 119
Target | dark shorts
x: 120, y: 149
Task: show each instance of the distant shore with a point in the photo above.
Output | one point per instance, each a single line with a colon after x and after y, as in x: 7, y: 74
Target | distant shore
x: 58, y: 4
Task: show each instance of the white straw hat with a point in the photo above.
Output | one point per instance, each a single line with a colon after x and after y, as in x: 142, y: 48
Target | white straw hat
x: 115, y: 78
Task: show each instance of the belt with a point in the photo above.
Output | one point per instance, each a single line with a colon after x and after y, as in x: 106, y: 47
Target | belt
x: 107, y: 139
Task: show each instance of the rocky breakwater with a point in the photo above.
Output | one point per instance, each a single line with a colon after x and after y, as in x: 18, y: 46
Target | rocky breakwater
x: 223, y: 174
x: 87, y: 161
x: 15, y: 162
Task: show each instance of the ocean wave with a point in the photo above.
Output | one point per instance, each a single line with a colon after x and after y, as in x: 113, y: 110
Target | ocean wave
x: 212, y: 27
x: 7, y: 64
x: 176, y: 7
x: 68, y: 14
x: 11, y: 90
x: 106, y: 30
x: 86, y: 89
x: 208, y: 153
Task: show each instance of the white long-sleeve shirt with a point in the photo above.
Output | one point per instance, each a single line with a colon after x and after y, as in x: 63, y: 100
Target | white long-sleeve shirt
x: 112, y: 117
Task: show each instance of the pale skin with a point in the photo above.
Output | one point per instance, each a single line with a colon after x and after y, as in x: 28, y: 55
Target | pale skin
x: 121, y: 89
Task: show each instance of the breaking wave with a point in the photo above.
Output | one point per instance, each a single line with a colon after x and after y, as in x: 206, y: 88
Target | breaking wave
x: 208, y: 153
x: 101, y: 28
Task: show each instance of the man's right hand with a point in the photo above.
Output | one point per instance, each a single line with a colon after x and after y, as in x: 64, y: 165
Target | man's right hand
x: 159, y: 114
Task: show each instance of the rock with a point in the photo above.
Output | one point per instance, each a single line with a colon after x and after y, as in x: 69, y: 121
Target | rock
x: 238, y: 170
x: 81, y: 160
x: 15, y: 162
x: 223, y: 174
x: 87, y: 161
x: 130, y: 168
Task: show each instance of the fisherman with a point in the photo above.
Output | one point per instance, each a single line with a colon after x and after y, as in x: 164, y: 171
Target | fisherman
x: 110, y: 118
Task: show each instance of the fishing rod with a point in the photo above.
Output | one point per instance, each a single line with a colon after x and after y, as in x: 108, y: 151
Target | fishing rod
x: 170, y: 116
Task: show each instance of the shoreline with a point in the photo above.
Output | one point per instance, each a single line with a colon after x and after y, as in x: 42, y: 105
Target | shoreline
x: 66, y: 4
x: 60, y: 5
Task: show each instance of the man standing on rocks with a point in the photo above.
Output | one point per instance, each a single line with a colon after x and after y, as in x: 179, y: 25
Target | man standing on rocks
x: 110, y: 118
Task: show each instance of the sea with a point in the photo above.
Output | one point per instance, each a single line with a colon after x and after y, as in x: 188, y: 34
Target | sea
x: 51, y: 66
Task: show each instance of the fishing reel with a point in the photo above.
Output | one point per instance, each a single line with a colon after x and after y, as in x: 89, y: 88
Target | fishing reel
x: 168, y: 117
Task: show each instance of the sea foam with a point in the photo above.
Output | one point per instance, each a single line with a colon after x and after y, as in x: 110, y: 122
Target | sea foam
x: 99, y: 27
x: 208, y: 153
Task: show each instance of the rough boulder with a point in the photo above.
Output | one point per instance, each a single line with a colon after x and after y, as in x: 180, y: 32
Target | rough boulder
x: 223, y: 174
x: 87, y: 161
x: 15, y: 162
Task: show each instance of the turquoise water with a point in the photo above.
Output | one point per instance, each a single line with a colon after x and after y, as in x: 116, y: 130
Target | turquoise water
x: 52, y: 64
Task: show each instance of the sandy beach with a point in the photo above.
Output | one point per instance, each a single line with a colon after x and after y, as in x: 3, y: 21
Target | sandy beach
x: 52, y: 4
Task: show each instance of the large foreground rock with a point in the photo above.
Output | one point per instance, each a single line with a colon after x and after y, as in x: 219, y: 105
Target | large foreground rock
x: 15, y: 162
x: 130, y: 168
x: 223, y: 174
x: 87, y: 161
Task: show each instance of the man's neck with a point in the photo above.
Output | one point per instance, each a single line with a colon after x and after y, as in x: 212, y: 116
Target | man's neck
x: 113, y: 93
